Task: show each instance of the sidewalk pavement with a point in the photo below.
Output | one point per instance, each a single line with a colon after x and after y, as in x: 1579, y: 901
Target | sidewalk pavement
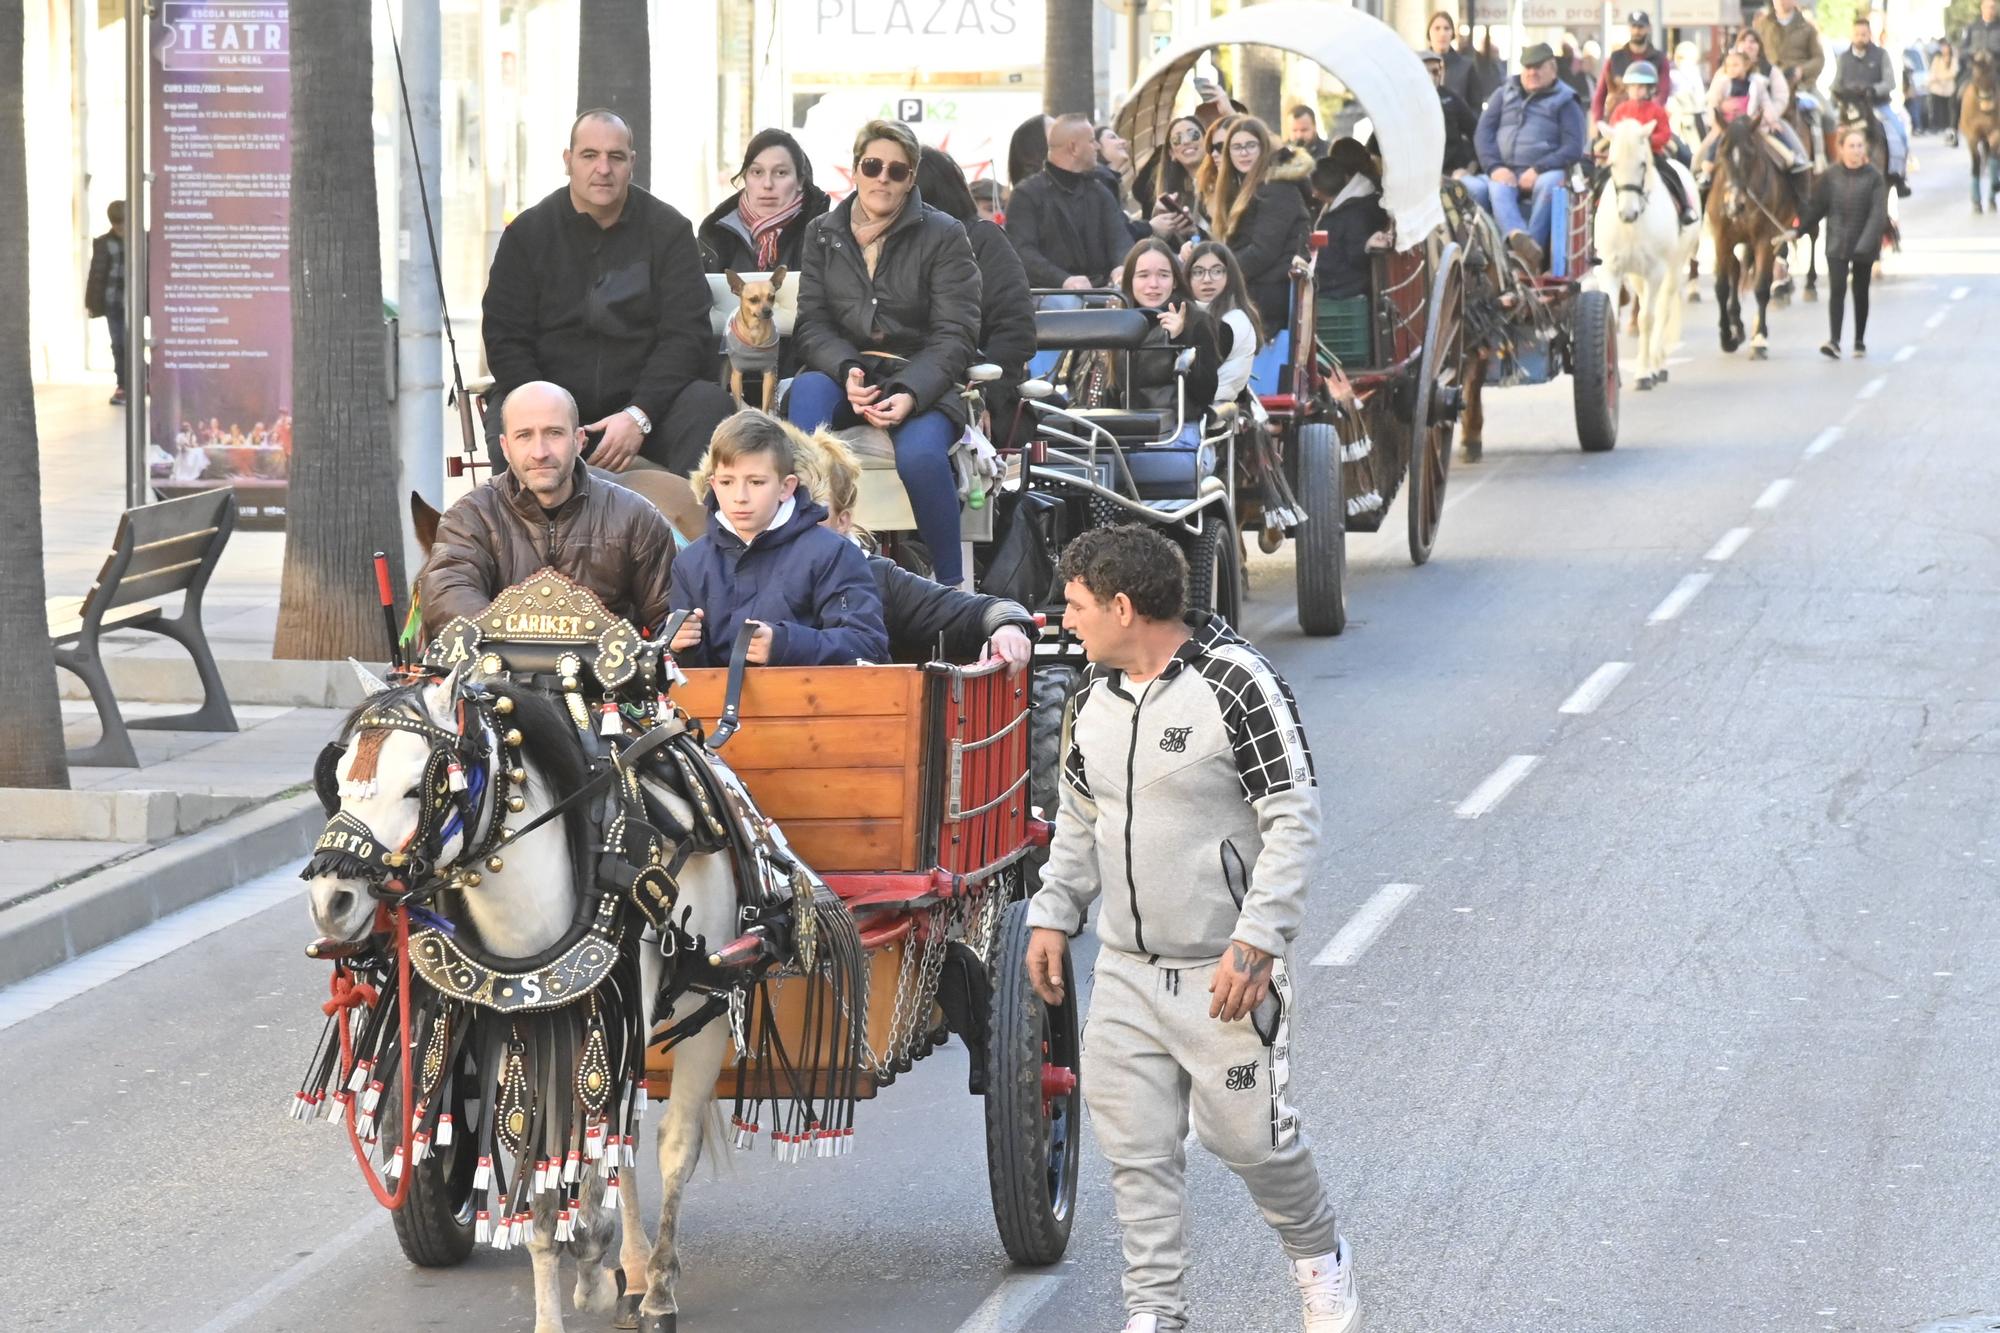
x: 204, y: 810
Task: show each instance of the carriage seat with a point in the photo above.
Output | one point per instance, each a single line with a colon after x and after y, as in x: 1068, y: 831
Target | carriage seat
x: 1092, y: 330
x: 1129, y: 428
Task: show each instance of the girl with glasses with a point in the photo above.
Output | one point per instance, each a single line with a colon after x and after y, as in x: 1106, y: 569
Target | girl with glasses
x: 888, y: 318
x: 1257, y: 212
x: 1216, y: 281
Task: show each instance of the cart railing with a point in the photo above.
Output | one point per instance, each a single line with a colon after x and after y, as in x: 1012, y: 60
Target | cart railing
x: 1402, y: 286
x: 979, y: 736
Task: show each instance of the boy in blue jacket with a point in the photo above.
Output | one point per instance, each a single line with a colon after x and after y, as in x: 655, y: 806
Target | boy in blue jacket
x: 766, y: 560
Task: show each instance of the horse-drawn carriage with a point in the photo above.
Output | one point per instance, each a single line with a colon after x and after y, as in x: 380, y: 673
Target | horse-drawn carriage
x: 546, y: 894
x: 1304, y: 461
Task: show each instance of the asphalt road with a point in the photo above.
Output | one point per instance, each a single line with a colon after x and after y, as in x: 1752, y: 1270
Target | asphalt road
x: 1692, y: 1027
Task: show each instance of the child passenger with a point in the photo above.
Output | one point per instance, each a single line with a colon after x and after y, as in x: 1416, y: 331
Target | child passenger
x: 765, y: 560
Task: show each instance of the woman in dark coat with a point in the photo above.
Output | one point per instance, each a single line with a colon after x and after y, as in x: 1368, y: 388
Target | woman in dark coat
x: 1852, y: 198
x: 1152, y: 280
x: 1261, y: 218
x: 1441, y: 36
x: 763, y: 224
x: 1347, y: 177
x: 1006, y: 311
x: 888, y: 319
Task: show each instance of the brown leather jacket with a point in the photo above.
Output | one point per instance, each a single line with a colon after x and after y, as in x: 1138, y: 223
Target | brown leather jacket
x: 605, y: 537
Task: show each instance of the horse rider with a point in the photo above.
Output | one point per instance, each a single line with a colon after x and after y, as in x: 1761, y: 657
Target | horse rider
x: 547, y: 510
x: 1638, y: 84
x: 1638, y: 47
x: 1190, y: 813
x: 1534, y: 129
x: 1791, y: 43
x: 1864, y: 74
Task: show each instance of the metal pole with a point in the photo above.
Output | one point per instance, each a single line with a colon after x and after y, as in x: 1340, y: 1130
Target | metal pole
x: 419, y: 417
x: 138, y: 484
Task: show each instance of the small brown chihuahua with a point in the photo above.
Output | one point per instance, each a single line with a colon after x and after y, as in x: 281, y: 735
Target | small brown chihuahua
x: 751, y: 338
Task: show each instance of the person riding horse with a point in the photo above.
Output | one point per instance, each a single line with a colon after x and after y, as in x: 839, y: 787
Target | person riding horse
x: 1640, y: 82
x: 1790, y: 40
x: 1863, y: 79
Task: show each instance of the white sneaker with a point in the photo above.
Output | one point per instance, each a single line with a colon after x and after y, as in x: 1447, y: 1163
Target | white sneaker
x: 1142, y: 1323
x: 1327, y: 1286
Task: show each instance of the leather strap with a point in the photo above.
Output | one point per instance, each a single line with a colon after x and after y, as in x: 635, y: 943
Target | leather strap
x: 732, y: 697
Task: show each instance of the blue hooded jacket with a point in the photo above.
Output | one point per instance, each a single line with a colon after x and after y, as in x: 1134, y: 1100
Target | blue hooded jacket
x: 1543, y: 130
x: 808, y: 583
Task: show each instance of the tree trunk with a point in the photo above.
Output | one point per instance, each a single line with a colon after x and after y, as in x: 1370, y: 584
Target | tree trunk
x: 1263, y: 84
x: 31, y: 736
x: 1069, y: 65
x: 614, y: 69
x: 343, y: 504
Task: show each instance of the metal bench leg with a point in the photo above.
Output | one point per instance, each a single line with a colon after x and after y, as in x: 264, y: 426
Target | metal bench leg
x: 215, y: 714
x: 114, y: 746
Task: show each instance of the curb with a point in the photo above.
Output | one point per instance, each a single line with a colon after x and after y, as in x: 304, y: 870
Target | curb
x: 93, y: 911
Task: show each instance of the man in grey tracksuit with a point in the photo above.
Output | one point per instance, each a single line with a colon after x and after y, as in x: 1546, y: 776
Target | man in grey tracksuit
x: 1189, y: 805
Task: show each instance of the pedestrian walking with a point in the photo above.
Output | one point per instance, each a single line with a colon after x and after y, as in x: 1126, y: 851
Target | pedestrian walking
x: 1852, y: 198
x: 1941, y: 88
x: 1190, y: 1013
x: 104, y: 290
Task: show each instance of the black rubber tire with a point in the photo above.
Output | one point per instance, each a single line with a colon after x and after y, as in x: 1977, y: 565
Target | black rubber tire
x: 1215, y: 583
x: 1320, y: 547
x: 1032, y: 1159
x: 435, y: 1224
x: 1229, y: 574
x: 1594, y: 372
x: 1049, y: 689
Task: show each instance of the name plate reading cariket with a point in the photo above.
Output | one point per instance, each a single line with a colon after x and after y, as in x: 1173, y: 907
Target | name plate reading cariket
x: 545, y: 608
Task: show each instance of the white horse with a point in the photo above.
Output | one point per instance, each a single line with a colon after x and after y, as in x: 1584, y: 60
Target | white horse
x: 1642, y: 244
x: 520, y: 909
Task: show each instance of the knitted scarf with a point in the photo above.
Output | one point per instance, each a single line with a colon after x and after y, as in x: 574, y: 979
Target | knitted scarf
x: 868, y: 231
x: 764, y: 231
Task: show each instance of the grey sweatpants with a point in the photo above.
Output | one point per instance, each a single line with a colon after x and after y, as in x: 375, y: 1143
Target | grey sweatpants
x: 1152, y: 1055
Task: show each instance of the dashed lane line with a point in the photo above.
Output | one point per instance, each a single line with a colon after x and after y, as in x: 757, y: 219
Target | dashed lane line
x: 1013, y: 1304
x: 1871, y: 388
x: 1365, y: 926
x: 1498, y: 783
x: 239, y: 1314
x: 1824, y: 441
x: 1904, y: 353
x: 1595, y: 689
x: 1937, y: 319
x: 1960, y: 293
x: 1727, y: 545
x: 1774, y: 494
x: 1677, y: 601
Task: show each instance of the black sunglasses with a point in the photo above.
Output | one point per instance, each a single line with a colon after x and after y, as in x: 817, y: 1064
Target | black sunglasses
x: 871, y: 167
x: 1215, y: 149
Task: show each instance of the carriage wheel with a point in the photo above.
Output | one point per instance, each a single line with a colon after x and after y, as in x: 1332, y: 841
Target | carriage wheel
x: 1215, y: 574
x: 1320, y: 547
x: 1433, y: 417
x: 1594, y: 372
x: 1049, y: 689
x: 1034, y: 1103
x: 435, y: 1224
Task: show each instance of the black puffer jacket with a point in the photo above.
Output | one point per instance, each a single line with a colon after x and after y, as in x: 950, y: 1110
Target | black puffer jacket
x: 1064, y: 226
x: 1855, y: 206
x: 1006, y: 311
x: 1342, y: 267
x: 725, y: 241
x: 1272, y: 229
x: 922, y: 613
x: 1153, y: 367
x: 921, y: 304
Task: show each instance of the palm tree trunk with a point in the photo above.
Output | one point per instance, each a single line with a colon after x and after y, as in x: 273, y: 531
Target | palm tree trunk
x: 1069, y: 63
x: 31, y: 738
x: 614, y: 69
x: 343, y: 503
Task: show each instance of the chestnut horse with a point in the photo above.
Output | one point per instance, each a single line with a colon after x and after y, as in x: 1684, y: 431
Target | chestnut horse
x: 1750, y: 204
x: 1979, y: 127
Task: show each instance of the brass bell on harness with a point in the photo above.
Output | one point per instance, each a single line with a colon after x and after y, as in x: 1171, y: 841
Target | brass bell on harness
x: 495, y: 864
x: 516, y: 804
x: 517, y: 775
x: 503, y: 705
x: 513, y: 737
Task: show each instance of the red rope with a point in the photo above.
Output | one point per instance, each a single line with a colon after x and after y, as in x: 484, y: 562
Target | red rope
x: 347, y: 994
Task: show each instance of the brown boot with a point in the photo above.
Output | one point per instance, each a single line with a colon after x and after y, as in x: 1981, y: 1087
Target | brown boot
x: 1525, y: 250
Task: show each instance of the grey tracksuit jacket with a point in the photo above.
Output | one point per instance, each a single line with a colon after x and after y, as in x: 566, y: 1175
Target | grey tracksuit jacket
x: 1190, y: 805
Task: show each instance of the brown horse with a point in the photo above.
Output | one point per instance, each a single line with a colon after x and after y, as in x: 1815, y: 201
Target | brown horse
x: 1749, y: 206
x: 1979, y: 127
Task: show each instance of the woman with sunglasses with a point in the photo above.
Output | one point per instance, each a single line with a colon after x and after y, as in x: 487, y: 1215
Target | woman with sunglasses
x: 1258, y: 213
x: 1216, y: 280
x: 763, y: 224
x: 1165, y: 187
x: 888, y: 319
x: 1152, y: 280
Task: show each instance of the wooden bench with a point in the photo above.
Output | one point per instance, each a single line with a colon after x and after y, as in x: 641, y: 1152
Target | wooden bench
x: 161, y: 549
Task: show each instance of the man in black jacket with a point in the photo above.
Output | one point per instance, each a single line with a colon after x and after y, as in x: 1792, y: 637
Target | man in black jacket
x: 1982, y: 34
x: 599, y: 288
x: 1460, y: 123
x: 1066, y: 226
x: 104, y: 290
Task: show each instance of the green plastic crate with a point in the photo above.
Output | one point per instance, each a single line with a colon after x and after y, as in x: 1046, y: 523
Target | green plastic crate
x: 1342, y: 327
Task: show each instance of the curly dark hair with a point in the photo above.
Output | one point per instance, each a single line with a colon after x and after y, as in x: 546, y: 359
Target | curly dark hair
x: 1133, y: 559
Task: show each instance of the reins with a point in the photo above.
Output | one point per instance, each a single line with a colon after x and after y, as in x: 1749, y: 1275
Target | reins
x: 348, y: 994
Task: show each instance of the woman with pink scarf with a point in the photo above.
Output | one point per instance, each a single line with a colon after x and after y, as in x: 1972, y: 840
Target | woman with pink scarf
x: 763, y: 224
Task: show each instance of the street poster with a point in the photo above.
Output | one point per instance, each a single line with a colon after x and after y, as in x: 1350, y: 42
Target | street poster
x: 220, y: 376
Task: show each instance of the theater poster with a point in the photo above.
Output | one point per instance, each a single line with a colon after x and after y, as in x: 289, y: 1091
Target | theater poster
x: 221, y: 360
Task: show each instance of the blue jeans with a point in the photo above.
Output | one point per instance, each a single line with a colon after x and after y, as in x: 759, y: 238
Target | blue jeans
x: 1898, y: 135
x: 923, y: 460
x: 1504, y: 203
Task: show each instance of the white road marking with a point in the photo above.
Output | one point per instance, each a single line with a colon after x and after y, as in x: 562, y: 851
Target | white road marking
x: 1452, y: 497
x: 1937, y: 319
x: 255, y: 1303
x: 1872, y: 387
x: 1774, y: 494
x: 1365, y: 926
x: 1904, y: 353
x: 44, y: 991
x: 1498, y: 783
x: 1960, y: 293
x: 1013, y: 1304
x: 1595, y: 689
x: 1728, y: 544
x: 1677, y: 601
x: 1824, y: 441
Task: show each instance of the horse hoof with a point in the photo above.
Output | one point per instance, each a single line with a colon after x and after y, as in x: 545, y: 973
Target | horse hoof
x: 1660, y: 376
x: 1645, y: 382
x: 1473, y: 450
x: 1760, y: 353
x: 627, y: 1315
x: 659, y: 1323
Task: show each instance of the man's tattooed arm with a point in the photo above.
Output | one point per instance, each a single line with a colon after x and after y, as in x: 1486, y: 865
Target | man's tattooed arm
x: 1252, y: 964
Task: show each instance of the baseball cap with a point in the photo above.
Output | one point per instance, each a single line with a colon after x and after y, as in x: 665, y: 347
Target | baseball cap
x: 1641, y: 71
x: 1638, y: 18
